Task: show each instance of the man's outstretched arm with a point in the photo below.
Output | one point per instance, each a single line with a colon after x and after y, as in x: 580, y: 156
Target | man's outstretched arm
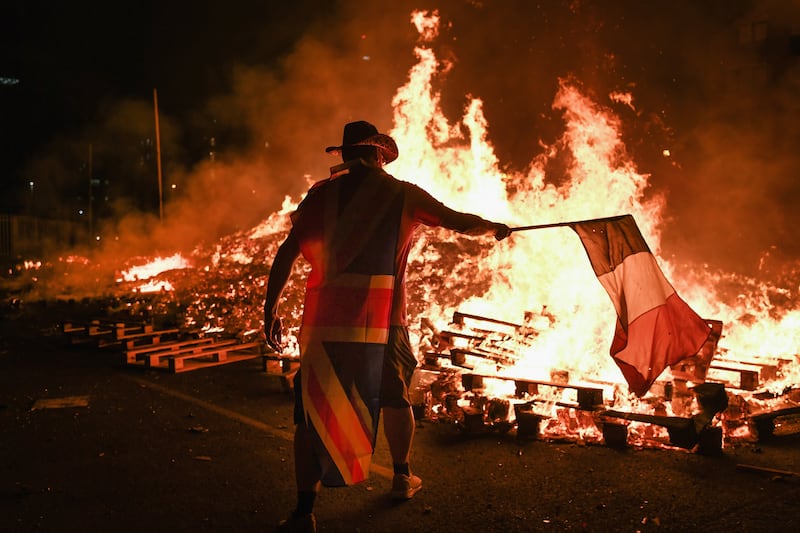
x: 432, y: 212
x: 470, y: 224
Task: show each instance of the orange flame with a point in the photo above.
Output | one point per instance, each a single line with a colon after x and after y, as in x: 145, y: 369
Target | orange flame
x: 548, y: 269
x: 151, y: 269
x: 540, y: 276
x: 457, y: 164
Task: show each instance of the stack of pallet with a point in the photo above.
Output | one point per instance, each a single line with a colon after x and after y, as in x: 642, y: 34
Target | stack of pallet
x: 191, y: 354
x: 110, y: 333
x: 143, y: 345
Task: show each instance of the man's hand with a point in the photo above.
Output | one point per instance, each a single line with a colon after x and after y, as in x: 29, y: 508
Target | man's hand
x: 501, y: 231
x: 272, y: 328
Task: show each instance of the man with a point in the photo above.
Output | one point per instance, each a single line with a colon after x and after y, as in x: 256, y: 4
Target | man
x: 355, y: 229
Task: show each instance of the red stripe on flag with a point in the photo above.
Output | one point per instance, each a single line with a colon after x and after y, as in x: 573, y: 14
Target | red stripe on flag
x: 655, y: 340
x: 334, y: 429
x: 655, y: 328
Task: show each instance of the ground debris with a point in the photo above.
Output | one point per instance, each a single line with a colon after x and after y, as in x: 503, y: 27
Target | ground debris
x: 776, y: 473
x: 59, y: 403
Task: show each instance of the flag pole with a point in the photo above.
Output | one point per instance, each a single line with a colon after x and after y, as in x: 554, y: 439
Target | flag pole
x: 561, y: 224
x: 542, y: 226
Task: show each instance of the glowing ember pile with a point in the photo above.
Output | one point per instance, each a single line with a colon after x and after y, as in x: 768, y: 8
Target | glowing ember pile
x: 150, y: 270
x: 539, y: 281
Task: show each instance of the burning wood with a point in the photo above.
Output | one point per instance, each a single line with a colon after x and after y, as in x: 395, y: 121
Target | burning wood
x: 692, y: 410
x: 545, y: 366
x: 479, y: 372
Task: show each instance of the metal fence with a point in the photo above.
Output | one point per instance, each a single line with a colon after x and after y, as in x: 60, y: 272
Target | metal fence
x: 28, y: 236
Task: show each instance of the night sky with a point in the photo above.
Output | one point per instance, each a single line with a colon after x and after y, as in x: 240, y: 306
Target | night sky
x: 76, y: 61
x: 273, y: 82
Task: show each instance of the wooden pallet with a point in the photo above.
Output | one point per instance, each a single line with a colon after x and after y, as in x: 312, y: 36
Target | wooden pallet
x: 129, y: 338
x: 588, y: 398
x: 86, y: 332
x: 432, y: 360
x: 461, y: 358
x: 193, y: 354
x: 150, y: 354
x: 682, y: 432
x: 105, y: 333
x: 742, y: 375
x: 768, y: 424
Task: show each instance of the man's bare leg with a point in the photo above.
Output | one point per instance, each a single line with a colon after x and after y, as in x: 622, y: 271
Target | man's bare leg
x: 398, y: 426
x: 307, y: 476
x: 306, y: 468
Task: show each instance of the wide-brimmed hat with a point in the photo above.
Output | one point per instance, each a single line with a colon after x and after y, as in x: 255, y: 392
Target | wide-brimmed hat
x: 363, y: 133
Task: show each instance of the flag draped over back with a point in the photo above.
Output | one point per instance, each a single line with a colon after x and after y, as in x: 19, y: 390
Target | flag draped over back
x: 347, y: 228
x: 655, y: 327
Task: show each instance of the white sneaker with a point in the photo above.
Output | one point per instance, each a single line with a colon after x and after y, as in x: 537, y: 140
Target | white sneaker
x: 404, y: 487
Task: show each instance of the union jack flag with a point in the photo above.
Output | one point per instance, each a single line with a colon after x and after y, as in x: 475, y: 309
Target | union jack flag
x: 347, y: 227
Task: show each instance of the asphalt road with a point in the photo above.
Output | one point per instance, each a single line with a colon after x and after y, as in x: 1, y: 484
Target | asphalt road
x: 210, y: 450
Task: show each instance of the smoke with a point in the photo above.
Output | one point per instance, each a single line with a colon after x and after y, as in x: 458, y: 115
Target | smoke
x: 711, y: 118
x: 269, y: 130
x: 735, y: 132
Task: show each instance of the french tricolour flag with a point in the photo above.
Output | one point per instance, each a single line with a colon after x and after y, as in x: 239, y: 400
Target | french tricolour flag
x: 655, y: 327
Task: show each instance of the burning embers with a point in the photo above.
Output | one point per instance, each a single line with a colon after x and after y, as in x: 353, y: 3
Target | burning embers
x: 470, y: 379
x: 548, y: 376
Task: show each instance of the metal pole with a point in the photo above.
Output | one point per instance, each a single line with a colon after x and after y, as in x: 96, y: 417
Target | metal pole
x: 542, y: 226
x: 89, y: 209
x: 560, y: 224
x: 158, y: 158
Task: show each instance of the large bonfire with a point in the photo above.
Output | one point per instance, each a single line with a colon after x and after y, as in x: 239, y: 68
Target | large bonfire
x: 541, y: 278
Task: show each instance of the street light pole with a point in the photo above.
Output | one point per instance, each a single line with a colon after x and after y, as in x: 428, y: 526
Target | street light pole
x: 158, y: 158
x: 89, y: 208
